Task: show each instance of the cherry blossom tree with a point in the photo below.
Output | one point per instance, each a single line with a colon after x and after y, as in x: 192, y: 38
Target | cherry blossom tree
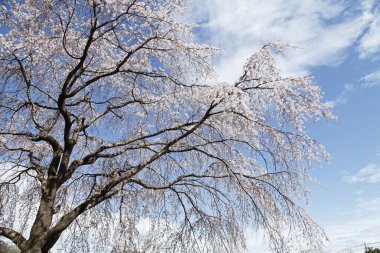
x: 112, y: 139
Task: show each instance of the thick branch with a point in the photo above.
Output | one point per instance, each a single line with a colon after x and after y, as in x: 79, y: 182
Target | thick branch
x: 92, y: 157
x: 12, y: 235
x: 41, y: 137
x: 68, y: 218
x: 108, y: 190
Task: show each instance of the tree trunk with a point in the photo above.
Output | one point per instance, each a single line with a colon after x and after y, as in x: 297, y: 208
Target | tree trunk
x: 32, y: 250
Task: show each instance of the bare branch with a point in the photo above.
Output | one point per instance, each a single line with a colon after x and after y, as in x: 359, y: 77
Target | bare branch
x: 12, y: 235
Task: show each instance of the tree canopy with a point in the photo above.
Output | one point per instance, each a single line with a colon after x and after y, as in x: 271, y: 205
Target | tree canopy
x: 112, y: 137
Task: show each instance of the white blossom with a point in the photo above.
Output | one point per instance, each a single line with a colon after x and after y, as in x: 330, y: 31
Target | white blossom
x: 106, y: 119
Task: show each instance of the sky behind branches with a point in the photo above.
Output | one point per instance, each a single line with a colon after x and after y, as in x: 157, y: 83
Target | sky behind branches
x: 338, y: 43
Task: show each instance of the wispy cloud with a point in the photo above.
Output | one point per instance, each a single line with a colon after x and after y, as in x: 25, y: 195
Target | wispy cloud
x: 322, y: 30
x: 372, y: 79
x: 363, y: 226
x: 353, y: 232
x: 342, y: 97
x: 370, y: 42
x: 369, y: 204
x: 368, y: 174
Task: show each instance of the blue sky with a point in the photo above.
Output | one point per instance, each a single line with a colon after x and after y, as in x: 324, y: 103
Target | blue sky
x: 337, y: 42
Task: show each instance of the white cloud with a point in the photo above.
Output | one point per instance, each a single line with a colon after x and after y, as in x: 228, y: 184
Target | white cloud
x: 356, y: 229
x: 361, y: 225
x: 370, y: 42
x: 369, y: 204
x: 353, y: 232
x: 372, y: 79
x: 368, y: 174
x: 342, y: 97
x: 321, y: 29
